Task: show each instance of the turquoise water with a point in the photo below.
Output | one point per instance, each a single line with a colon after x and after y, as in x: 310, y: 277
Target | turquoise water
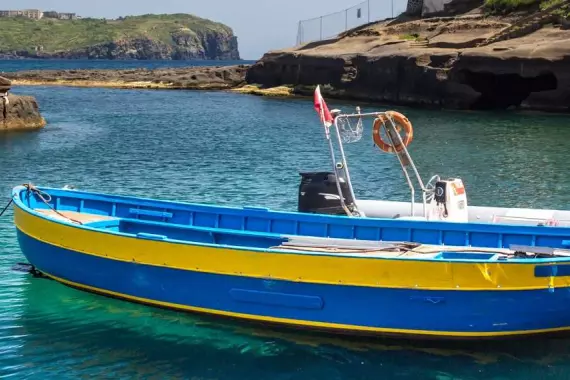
x: 234, y: 149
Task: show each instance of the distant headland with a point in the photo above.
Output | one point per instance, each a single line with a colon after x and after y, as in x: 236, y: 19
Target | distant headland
x: 32, y: 33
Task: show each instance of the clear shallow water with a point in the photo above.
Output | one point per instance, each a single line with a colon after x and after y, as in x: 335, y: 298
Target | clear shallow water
x: 74, y: 64
x: 233, y: 149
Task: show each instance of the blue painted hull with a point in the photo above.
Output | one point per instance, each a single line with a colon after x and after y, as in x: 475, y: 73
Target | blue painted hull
x: 400, y: 311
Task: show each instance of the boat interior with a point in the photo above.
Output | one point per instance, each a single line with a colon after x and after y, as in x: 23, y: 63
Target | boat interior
x: 329, y: 217
x: 259, y: 228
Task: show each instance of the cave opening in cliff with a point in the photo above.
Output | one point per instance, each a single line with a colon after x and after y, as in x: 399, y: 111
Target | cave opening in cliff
x: 501, y: 91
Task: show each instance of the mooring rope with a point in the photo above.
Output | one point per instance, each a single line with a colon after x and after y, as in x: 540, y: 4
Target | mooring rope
x: 40, y: 194
x: 6, y: 208
x: 45, y: 197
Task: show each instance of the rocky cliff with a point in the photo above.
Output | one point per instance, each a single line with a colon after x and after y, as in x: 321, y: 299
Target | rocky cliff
x: 453, y: 62
x: 18, y: 112
x: 167, y: 37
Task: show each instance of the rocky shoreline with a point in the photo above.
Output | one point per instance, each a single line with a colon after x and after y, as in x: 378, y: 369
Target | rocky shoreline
x: 199, y: 78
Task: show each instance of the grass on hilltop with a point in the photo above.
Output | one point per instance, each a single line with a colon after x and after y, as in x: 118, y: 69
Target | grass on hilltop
x: 508, y: 6
x: 23, y: 34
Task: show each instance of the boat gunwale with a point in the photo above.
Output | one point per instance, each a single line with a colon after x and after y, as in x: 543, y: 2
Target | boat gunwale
x: 291, y: 215
x: 132, y: 200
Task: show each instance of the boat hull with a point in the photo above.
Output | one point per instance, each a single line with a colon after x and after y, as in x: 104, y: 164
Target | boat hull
x: 177, y: 276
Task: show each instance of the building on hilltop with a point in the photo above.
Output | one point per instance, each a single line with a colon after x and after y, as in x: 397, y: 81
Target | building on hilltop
x: 51, y: 14
x: 67, y: 16
x: 9, y: 13
x: 61, y: 16
x: 35, y: 14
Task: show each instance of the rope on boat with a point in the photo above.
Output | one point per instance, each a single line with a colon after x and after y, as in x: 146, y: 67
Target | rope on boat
x: 6, y: 208
x: 40, y: 194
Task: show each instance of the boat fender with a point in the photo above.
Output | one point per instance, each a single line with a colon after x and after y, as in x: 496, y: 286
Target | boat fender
x: 401, y: 122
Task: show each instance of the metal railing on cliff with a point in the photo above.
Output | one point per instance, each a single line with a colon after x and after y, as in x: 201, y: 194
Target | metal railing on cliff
x: 332, y: 24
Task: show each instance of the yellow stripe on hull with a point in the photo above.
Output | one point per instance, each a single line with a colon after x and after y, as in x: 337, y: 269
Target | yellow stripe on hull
x: 318, y: 269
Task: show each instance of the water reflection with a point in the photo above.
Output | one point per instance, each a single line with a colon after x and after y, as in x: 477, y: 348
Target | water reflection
x: 64, y: 330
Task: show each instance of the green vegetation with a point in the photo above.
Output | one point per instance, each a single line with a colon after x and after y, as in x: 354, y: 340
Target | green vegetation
x: 23, y: 34
x: 562, y: 12
x: 410, y: 37
x: 508, y: 6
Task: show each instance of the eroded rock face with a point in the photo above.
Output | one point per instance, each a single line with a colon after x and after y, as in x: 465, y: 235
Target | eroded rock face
x: 501, y: 82
x: 185, y: 46
x: 478, y: 79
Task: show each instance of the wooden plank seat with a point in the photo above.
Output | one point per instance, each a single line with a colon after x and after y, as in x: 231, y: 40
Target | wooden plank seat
x: 74, y: 216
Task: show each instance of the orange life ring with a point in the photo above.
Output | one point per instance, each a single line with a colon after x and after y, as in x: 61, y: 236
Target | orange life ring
x: 401, y: 122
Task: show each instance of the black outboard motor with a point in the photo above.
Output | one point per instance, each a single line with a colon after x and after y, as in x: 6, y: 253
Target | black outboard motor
x: 318, y: 193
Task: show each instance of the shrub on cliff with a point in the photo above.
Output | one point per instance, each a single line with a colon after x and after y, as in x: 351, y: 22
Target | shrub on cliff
x: 563, y: 11
x: 508, y: 6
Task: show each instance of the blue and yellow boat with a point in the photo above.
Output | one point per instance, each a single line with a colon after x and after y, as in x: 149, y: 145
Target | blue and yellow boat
x: 356, y: 275
x: 455, y: 272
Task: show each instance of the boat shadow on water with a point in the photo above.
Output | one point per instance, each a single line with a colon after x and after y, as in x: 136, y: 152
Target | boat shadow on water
x: 102, y: 333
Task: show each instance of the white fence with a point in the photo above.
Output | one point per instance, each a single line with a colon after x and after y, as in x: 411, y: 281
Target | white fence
x: 332, y: 24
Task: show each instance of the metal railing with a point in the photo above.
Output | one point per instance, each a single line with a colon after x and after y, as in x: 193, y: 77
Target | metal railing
x: 332, y: 24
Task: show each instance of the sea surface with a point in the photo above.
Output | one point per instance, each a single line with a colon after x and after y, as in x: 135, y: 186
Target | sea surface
x: 75, y: 64
x: 238, y: 150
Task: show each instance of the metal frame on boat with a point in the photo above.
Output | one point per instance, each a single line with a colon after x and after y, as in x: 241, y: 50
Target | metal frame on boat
x: 395, y: 139
x: 443, y: 200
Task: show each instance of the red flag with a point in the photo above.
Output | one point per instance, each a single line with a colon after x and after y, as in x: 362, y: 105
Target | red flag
x: 322, y: 109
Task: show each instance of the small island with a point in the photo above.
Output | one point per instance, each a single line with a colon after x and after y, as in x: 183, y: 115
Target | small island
x: 37, y: 34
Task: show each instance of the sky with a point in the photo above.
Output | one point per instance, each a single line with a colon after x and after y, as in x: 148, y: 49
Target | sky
x: 260, y: 25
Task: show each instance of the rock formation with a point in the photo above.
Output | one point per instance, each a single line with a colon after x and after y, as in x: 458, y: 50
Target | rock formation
x: 198, y: 77
x: 212, y: 46
x: 18, y: 112
x: 453, y: 62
